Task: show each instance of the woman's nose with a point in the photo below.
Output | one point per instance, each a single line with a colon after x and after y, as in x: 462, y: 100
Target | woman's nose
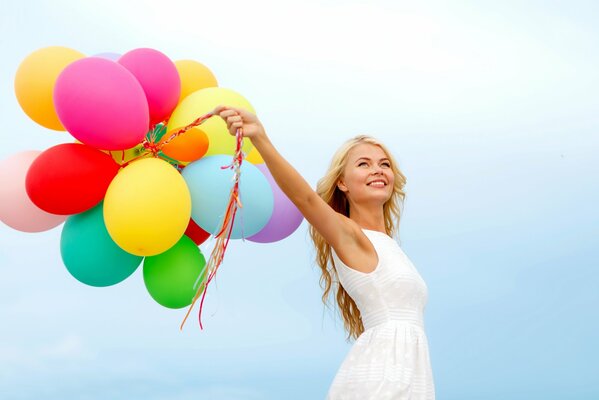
x: 377, y: 170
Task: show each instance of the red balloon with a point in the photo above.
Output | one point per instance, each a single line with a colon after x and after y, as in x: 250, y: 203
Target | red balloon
x: 195, y: 233
x: 69, y: 178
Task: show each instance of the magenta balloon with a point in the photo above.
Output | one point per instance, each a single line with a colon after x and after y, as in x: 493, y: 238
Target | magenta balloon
x: 285, y: 219
x: 16, y: 209
x: 101, y: 104
x: 159, y: 78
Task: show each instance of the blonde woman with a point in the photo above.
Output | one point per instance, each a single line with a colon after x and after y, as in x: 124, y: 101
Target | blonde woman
x: 353, y: 215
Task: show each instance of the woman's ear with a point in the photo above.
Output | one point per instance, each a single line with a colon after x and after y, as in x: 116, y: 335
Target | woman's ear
x: 341, y: 186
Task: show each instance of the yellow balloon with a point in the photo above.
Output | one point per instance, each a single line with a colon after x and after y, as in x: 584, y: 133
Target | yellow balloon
x: 194, y: 76
x: 254, y: 157
x: 202, y: 102
x: 123, y: 156
x: 35, y: 80
x: 147, y: 207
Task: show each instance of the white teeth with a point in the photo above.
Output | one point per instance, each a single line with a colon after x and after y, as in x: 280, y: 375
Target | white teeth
x: 377, y: 183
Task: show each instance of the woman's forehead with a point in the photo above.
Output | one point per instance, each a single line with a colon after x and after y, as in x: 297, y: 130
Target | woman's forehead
x: 367, y: 150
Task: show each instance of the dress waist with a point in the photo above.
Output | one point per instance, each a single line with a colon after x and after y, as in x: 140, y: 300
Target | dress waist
x: 397, y: 317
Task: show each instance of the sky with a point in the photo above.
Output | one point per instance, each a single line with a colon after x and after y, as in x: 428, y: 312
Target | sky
x: 490, y: 110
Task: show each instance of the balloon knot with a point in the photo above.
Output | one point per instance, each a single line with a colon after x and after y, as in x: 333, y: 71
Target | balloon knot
x: 152, y: 148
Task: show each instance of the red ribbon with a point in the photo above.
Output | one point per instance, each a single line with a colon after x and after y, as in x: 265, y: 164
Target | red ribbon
x: 224, y: 234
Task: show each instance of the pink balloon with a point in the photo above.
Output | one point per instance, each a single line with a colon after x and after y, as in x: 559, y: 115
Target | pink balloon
x: 159, y: 78
x: 285, y: 219
x: 16, y: 209
x: 101, y: 104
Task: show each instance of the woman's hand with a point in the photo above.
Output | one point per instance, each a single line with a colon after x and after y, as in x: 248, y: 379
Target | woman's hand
x: 240, y: 118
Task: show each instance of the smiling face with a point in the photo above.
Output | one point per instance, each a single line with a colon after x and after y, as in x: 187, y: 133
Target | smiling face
x: 367, y: 176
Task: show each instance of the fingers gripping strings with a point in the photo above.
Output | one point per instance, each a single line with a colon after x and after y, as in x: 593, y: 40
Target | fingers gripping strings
x: 152, y: 148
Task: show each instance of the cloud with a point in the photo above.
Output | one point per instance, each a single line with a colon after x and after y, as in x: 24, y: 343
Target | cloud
x: 18, y: 359
x: 70, y: 347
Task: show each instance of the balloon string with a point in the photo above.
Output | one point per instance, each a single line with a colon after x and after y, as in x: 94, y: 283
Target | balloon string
x: 213, y: 262
x: 152, y: 148
x: 180, y: 131
x: 224, y: 234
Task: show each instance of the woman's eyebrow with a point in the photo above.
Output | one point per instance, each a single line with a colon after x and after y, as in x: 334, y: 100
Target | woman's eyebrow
x: 366, y: 158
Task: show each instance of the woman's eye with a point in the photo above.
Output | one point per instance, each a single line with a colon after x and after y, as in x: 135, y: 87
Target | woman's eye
x: 363, y: 162
x: 387, y: 165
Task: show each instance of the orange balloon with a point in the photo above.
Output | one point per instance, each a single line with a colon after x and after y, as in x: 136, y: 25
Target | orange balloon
x: 194, y: 76
x: 35, y: 80
x: 189, y: 146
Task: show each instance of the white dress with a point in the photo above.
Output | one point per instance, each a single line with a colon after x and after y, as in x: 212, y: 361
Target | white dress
x: 390, y: 360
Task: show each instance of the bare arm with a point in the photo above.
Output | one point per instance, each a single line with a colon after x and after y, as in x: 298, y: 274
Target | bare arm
x: 336, y: 228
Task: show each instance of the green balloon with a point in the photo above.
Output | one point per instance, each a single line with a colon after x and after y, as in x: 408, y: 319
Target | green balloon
x: 170, y: 276
x: 89, y: 253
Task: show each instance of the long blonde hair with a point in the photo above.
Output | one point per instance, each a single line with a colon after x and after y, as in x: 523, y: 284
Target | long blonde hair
x: 327, y: 189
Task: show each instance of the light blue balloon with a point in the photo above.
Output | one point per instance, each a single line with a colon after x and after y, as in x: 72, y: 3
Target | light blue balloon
x: 210, y: 188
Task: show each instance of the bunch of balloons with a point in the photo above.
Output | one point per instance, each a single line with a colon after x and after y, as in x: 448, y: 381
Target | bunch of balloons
x: 129, y: 189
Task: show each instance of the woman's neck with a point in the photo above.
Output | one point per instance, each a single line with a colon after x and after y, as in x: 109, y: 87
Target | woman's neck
x: 371, y: 218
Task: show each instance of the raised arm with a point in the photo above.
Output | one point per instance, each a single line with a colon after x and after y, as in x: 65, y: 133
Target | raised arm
x: 336, y: 228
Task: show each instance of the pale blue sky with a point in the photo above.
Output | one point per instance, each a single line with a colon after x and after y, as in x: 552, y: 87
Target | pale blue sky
x: 491, y: 111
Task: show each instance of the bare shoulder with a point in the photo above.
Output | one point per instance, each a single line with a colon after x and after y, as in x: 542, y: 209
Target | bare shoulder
x: 343, y: 234
x: 356, y: 251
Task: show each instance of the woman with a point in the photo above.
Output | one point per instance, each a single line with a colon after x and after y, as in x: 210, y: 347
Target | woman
x: 353, y: 214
